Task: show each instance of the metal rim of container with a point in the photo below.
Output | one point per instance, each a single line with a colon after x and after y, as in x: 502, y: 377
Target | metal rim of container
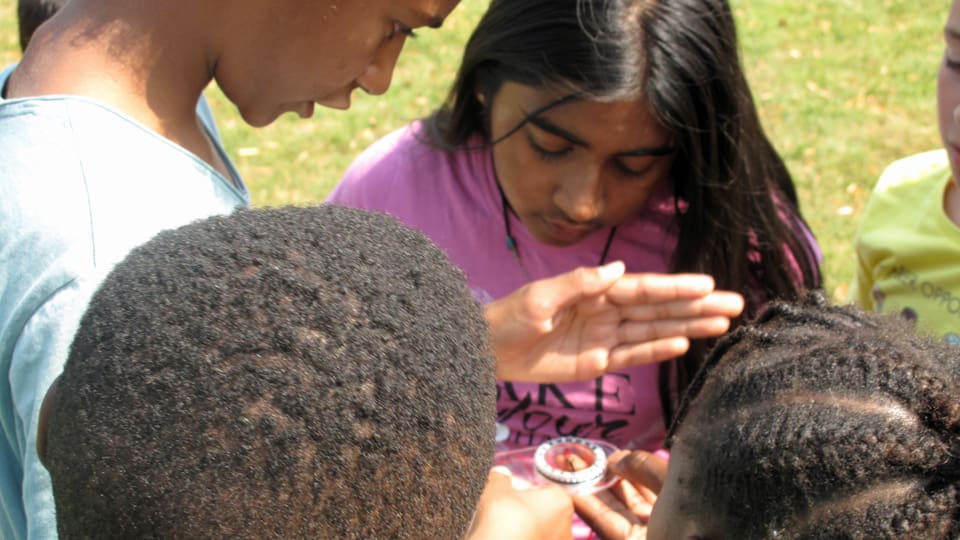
x: 589, y: 474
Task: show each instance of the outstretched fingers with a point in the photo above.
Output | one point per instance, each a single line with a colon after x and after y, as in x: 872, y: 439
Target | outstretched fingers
x: 657, y: 341
x: 656, y: 288
x: 658, y: 350
x: 700, y: 327
x: 547, y: 296
x: 714, y: 304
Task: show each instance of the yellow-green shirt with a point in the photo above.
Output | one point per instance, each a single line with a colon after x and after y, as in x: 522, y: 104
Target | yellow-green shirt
x: 908, y: 249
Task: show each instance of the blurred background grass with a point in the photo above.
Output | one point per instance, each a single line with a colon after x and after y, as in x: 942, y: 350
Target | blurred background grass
x: 843, y: 86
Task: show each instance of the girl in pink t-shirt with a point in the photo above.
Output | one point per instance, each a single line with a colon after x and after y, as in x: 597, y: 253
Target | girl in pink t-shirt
x: 582, y: 132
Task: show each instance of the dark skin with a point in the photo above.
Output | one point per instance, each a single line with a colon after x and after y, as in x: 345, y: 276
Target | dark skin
x: 624, y: 511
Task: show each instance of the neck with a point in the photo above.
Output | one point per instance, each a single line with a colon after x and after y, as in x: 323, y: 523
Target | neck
x: 136, y: 57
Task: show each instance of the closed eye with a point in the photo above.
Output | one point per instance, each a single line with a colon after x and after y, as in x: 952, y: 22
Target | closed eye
x: 636, y: 173
x: 548, y: 154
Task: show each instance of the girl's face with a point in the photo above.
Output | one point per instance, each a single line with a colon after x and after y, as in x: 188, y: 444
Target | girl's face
x: 287, y: 55
x: 576, y: 167
x: 948, y: 90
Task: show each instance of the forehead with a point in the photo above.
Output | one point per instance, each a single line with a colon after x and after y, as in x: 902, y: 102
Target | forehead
x: 626, y: 123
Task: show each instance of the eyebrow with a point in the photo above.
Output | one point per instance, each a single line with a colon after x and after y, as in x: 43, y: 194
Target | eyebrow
x: 952, y: 33
x: 550, y: 127
x: 554, y: 129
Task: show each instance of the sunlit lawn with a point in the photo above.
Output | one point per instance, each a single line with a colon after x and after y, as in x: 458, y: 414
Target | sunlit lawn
x: 844, y: 87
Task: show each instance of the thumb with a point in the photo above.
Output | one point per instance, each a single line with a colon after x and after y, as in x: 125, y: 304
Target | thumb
x: 578, y: 284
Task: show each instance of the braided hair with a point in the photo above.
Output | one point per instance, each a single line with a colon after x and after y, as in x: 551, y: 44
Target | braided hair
x: 276, y: 373
x: 821, y: 421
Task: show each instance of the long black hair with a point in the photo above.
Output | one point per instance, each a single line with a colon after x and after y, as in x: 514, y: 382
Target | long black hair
x: 736, y: 206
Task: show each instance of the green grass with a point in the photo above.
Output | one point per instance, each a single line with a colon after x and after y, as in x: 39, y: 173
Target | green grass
x: 844, y: 87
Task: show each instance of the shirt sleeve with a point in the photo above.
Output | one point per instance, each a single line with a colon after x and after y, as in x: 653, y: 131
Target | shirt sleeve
x: 38, y: 357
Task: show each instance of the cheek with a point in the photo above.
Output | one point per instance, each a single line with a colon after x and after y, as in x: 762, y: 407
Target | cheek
x: 627, y: 197
x: 524, y: 177
x: 948, y: 97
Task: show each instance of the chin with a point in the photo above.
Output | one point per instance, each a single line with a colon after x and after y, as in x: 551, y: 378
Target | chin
x: 554, y: 241
x: 257, y: 119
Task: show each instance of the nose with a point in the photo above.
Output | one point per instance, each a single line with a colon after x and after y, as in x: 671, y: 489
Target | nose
x: 956, y: 114
x: 580, y: 195
x: 375, y: 80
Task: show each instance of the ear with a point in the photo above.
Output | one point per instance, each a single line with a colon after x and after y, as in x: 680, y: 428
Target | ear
x: 479, y: 94
x: 46, y: 409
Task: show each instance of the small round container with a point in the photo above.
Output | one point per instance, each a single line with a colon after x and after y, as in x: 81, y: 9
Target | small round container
x: 576, y: 464
x: 571, y: 461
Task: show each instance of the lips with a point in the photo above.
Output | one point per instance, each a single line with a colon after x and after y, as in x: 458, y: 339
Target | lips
x: 567, y: 232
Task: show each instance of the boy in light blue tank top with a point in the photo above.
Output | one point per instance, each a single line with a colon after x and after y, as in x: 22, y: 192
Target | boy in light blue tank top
x: 104, y: 145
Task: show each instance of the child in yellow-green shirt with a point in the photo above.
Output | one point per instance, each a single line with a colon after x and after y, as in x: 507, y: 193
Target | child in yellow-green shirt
x: 908, y: 245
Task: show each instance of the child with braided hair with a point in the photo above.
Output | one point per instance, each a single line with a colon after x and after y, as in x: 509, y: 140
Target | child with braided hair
x: 815, y: 421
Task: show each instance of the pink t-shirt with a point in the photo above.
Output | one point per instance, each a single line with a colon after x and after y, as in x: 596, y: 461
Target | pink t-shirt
x: 452, y: 197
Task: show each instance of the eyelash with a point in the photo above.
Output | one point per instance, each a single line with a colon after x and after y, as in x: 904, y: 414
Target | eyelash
x: 553, y: 155
x: 548, y: 155
x: 632, y: 173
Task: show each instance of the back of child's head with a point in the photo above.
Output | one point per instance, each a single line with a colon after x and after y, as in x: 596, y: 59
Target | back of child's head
x: 31, y: 14
x: 822, y: 421
x: 276, y: 373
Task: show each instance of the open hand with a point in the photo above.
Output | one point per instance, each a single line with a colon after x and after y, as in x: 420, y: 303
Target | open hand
x: 582, y: 324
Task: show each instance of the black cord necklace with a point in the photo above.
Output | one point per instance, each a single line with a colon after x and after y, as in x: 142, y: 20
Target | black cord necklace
x: 512, y: 242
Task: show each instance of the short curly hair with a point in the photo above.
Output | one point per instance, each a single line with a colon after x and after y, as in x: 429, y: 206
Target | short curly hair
x: 820, y: 421
x: 276, y: 373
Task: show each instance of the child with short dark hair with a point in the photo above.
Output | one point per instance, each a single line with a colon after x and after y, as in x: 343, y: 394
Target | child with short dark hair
x: 285, y: 373
x: 33, y: 13
x: 112, y: 87
x: 815, y: 421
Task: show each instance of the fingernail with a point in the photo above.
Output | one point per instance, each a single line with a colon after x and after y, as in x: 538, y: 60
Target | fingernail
x: 612, y: 270
x: 699, y: 282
